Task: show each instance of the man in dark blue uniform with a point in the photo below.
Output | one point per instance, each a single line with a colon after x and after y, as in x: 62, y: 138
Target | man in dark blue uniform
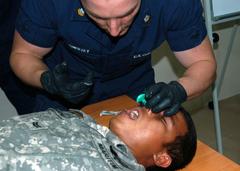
x: 81, y: 52
x: 19, y: 94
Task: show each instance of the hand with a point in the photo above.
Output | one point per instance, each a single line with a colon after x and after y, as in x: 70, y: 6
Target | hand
x: 165, y: 97
x: 58, y: 82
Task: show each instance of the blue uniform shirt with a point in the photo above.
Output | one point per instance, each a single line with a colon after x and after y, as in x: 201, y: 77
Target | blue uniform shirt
x: 121, y: 65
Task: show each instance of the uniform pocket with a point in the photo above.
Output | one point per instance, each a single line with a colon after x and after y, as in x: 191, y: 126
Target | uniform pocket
x: 83, y: 59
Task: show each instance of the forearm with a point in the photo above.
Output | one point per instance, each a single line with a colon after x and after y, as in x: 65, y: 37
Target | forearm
x: 26, y: 60
x: 198, y: 77
x: 27, y: 67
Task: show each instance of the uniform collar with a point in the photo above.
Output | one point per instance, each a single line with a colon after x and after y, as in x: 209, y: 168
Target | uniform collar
x: 143, y: 18
x: 116, y: 147
x: 78, y: 12
x: 123, y: 153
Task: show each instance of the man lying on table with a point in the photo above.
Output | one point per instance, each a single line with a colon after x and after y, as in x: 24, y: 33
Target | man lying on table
x: 61, y: 140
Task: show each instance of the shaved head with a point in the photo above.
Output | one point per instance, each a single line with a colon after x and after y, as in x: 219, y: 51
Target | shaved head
x: 113, y: 16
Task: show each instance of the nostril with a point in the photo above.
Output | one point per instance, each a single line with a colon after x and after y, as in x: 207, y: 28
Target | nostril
x: 128, y: 110
x: 161, y: 113
x: 149, y: 111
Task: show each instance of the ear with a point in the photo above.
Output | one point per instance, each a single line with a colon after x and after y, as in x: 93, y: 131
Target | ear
x: 162, y: 159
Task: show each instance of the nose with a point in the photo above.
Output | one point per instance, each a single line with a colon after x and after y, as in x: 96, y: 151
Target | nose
x: 149, y: 112
x: 114, y: 27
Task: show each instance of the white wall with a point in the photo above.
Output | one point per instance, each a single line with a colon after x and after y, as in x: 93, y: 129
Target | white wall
x: 167, y: 67
x: 6, y: 108
x: 231, y: 81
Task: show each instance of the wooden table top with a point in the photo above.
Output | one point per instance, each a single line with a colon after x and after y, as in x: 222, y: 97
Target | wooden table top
x: 206, y: 158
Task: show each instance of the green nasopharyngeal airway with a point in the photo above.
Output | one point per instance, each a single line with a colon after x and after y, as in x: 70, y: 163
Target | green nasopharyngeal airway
x: 141, y: 99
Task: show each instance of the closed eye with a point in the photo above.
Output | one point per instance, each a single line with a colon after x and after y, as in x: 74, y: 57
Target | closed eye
x: 163, y: 119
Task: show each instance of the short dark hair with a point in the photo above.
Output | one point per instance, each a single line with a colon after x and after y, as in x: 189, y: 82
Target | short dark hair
x: 183, y: 148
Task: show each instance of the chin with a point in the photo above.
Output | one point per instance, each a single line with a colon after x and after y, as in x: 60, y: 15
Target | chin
x: 113, y: 125
x: 116, y: 127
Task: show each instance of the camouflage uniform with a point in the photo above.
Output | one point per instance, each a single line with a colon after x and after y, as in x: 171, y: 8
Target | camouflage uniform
x: 57, y: 140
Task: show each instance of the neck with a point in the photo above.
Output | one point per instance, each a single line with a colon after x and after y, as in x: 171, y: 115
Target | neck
x: 146, y: 161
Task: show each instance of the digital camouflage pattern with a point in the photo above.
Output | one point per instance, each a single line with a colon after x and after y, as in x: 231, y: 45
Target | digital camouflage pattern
x: 61, y: 141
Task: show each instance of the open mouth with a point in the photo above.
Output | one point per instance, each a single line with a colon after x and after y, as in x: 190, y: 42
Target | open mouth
x: 134, y: 114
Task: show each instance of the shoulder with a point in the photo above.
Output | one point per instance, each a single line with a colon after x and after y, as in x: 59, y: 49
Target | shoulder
x: 171, y: 4
x: 181, y: 6
x: 174, y: 9
x: 47, y: 6
x: 181, y: 13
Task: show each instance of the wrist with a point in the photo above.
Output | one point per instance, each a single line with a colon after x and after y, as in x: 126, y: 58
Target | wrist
x: 47, y: 82
x: 39, y: 75
x: 179, y: 90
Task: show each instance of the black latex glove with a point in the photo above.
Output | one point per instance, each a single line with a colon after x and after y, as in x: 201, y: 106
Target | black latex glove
x: 58, y: 82
x: 165, y: 97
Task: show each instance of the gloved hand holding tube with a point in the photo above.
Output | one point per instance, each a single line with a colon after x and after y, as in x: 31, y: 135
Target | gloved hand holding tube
x: 165, y: 97
x: 58, y: 82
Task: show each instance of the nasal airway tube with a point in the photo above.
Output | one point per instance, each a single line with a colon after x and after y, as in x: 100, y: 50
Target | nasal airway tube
x: 141, y: 99
x: 107, y: 113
